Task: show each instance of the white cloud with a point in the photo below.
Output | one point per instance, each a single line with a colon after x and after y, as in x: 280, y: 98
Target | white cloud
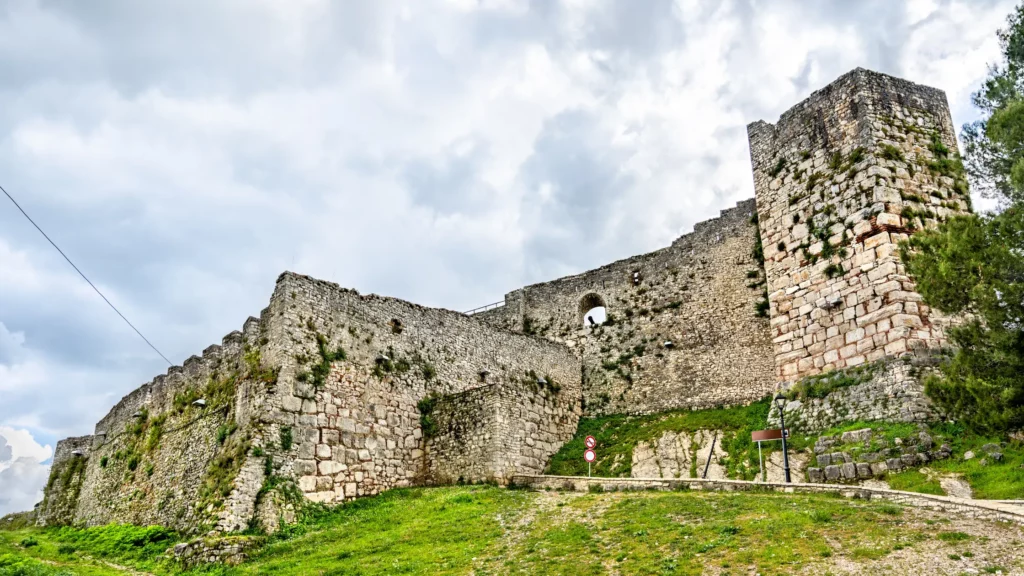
x: 442, y: 152
x: 23, y: 473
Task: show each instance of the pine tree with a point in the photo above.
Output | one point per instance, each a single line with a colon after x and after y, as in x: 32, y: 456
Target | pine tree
x: 973, y: 266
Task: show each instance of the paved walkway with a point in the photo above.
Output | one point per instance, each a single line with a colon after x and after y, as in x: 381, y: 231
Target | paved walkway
x: 1003, y: 510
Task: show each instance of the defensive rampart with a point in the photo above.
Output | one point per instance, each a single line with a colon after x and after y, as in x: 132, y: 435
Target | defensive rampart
x: 333, y: 393
x: 683, y: 329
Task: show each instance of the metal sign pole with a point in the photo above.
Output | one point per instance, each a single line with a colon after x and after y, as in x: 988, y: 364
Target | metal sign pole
x: 760, y: 462
x: 588, y: 469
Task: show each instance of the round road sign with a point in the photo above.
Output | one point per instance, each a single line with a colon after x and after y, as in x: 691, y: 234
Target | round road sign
x: 590, y: 455
x: 590, y: 442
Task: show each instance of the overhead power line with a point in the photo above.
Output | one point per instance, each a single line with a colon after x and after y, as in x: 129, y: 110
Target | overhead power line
x: 52, y: 243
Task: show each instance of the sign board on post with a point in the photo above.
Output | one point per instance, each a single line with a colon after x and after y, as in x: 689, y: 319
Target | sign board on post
x: 763, y: 436
x: 590, y: 456
x: 590, y: 442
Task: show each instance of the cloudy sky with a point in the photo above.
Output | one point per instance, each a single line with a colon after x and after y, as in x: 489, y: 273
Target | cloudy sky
x: 185, y: 153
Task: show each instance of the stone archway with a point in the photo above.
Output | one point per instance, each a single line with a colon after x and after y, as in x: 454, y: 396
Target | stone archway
x: 592, y: 310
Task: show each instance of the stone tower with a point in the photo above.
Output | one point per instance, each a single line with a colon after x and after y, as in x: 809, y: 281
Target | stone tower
x: 840, y: 181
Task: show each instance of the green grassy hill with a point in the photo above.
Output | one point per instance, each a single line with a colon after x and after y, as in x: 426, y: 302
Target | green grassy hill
x: 487, y: 530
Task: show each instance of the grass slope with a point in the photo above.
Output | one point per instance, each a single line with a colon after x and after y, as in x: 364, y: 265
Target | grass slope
x: 486, y: 530
x: 617, y: 436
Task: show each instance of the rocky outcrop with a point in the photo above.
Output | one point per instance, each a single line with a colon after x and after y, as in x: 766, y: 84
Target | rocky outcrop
x: 680, y: 455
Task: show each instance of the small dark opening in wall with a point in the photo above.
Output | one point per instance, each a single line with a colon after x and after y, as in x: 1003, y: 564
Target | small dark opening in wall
x: 396, y: 326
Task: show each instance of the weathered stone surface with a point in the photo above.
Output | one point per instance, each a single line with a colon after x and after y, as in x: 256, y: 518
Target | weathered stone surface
x: 822, y: 167
x: 849, y: 471
x: 679, y: 455
x: 684, y: 335
x: 862, y: 435
x: 864, y: 470
x: 358, y: 433
x: 815, y: 475
x: 832, y: 473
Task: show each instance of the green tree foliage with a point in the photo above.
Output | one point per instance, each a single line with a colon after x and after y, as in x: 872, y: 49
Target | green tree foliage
x: 974, y: 266
x: 994, y: 145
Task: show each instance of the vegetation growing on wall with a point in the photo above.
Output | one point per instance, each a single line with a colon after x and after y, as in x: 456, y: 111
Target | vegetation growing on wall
x: 618, y: 435
x: 285, y: 437
x: 541, y: 383
x: 426, y: 408
x: 256, y: 370
x: 68, y: 476
x: 821, y: 385
x: 221, y: 472
x: 762, y: 305
x: 317, y: 374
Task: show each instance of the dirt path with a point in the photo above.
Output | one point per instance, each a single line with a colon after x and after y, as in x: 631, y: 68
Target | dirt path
x: 111, y: 565
x: 993, y: 548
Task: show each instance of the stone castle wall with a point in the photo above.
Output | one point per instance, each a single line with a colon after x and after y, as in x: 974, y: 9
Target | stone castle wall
x: 67, y: 472
x: 684, y: 334
x: 280, y: 404
x: 840, y: 180
x: 359, y: 431
x: 152, y: 457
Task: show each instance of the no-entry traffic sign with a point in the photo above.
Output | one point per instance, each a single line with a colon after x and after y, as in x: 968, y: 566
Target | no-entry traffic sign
x: 590, y: 442
x: 590, y: 456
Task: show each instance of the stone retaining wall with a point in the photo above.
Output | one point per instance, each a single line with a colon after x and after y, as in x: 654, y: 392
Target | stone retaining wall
x: 229, y: 550
x: 891, y: 391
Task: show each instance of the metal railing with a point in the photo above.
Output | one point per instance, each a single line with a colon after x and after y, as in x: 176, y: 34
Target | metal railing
x: 484, y: 308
